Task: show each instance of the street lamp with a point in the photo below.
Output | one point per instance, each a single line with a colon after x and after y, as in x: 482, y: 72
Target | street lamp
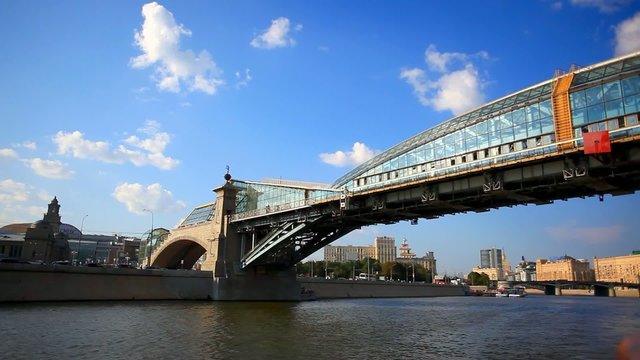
x: 81, y: 236
x: 391, y: 272
x: 149, y: 239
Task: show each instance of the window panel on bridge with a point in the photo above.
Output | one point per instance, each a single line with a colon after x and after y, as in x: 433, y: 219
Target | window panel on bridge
x: 200, y: 214
x: 532, y: 112
x: 545, y: 109
x: 595, y: 113
x: 534, y: 128
x: 614, y: 108
x: 632, y: 104
x: 612, y: 91
x: 631, y: 85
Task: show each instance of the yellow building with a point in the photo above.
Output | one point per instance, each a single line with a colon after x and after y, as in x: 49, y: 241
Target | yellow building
x: 564, y: 268
x: 618, y: 268
x: 385, y: 249
x: 492, y: 273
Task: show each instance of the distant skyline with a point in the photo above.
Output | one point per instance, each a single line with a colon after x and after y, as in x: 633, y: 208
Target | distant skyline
x: 116, y: 107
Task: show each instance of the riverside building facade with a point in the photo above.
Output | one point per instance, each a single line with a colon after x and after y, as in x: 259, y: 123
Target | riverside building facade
x: 563, y: 268
x: 624, y: 268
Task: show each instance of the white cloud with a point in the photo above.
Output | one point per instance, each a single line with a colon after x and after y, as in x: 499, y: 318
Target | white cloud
x: 358, y: 154
x: 27, y: 145
x: 591, y: 234
x: 604, y: 6
x: 8, y: 153
x: 457, y: 90
x: 52, y: 169
x: 142, y: 151
x: 12, y: 191
x: 628, y: 36
x: 159, y: 41
x: 80, y: 148
x: 277, y: 35
x: 137, y: 197
x: 14, y: 202
x: 417, y: 79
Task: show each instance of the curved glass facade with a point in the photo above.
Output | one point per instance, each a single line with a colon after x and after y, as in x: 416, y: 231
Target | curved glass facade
x: 517, y: 126
x: 255, y: 198
x: 200, y: 214
x: 149, y: 242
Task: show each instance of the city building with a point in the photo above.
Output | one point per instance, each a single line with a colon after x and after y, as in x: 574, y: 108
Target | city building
x: 405, y: 251
x: 491, y: 263
x: 429, y: 262
x: 624, y: 268
x: 348, y: 253
x: 491, y: 258
x: 49, y: 240
x: 492, y: 272
x: 383, y: 250
x: 524, y: 271
x: 45, y: 240
x: 563, y: 268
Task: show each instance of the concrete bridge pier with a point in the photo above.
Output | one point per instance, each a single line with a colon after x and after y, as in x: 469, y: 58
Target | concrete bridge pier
x: 230, y: 281
x: 558, y: 291
x: 552, y: 290
x: 600, y: 290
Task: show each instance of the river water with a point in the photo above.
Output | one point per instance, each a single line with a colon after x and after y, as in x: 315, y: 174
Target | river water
x: 535, y: 327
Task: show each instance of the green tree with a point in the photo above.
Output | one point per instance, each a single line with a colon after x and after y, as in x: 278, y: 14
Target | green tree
x: 478, y: 279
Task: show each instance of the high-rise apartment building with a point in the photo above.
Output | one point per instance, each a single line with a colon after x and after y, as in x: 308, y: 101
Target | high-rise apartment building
x: 385, y: 249
x: 491, y: 258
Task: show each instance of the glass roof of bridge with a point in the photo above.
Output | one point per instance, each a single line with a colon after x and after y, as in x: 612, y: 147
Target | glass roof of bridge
x: 200, y: 214
x: 533, y: 94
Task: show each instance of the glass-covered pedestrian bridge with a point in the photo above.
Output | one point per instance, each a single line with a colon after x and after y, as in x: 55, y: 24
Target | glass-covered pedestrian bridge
x: 522, y: 125
x: 545, y: 119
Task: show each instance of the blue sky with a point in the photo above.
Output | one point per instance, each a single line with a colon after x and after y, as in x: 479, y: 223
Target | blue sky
x: 118, y: 106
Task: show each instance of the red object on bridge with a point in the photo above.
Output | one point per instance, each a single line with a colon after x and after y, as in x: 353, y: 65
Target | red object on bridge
x: 596, y: 142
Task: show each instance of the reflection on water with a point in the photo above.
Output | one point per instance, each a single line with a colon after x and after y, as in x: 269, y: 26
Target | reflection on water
x: 431, y: 328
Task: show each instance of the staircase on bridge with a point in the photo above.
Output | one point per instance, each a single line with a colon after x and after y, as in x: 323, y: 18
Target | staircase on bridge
x: 562, y: 112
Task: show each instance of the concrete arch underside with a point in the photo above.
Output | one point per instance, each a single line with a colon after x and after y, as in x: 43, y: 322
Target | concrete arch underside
x: 178, y: 253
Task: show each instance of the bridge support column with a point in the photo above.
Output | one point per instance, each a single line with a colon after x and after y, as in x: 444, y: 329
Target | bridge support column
x: 612, y: 292
x: 230, y: 281
x: 549, y: 290
x: 599, y: 290
x: 558, y: 291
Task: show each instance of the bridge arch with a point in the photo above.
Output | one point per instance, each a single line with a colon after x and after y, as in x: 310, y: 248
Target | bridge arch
x: 178, y: 253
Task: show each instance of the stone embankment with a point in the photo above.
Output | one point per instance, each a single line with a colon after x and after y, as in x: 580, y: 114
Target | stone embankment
x: 27, y: 282
x: 339, y: 289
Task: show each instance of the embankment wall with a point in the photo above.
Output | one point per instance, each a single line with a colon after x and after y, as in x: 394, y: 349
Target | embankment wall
x: 26, y: 282
x: 339, y: 289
